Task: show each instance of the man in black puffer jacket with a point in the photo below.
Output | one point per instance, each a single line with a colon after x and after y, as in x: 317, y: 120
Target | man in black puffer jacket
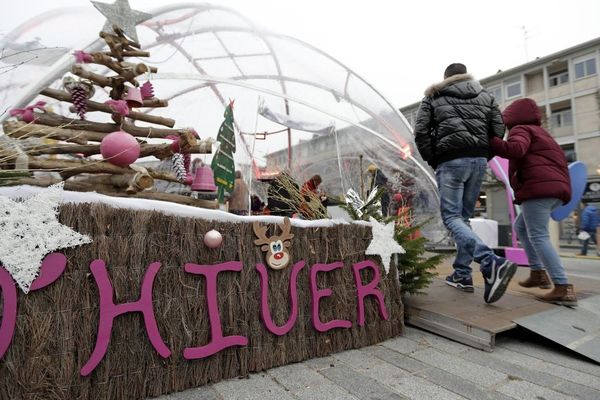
x: 454, y: 124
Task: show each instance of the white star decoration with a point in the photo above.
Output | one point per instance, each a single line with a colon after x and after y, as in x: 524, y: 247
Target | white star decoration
x: 120, y: 13
x: 383, y: 243
x: 29, y: 230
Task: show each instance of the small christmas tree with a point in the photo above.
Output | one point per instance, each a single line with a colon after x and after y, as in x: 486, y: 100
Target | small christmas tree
x: 222, y: 164
x: 416, y: 271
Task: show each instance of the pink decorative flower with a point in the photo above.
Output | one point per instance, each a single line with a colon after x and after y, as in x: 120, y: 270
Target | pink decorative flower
x: 118, y: 106
x: 26, y: 114
x: 82, y: 57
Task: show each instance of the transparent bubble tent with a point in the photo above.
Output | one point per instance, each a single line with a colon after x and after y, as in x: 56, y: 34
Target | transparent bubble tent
x: 296, y: 108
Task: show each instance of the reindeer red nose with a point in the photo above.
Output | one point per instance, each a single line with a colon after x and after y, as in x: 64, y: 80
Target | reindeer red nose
x: 278, y: 256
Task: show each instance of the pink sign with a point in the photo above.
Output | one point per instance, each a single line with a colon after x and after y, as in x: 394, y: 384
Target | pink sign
x: 264, y: 303
x: 218, y: 341
x: 54, y: 265
x: 317, y: 294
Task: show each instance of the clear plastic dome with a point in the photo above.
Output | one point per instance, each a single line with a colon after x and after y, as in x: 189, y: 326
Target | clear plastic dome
x: 318, y: 115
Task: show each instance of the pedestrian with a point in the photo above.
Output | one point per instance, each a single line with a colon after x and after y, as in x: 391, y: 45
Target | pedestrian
x: 314, y: 204
x: 590, y: 220
x: 379, y: 180
x: 239, y: 198
x: 539, y: 177
x: 454, y: 123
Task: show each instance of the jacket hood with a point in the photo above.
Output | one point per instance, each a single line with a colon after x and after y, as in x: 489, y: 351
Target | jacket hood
x: 522, y: 112
x: 460, y: 85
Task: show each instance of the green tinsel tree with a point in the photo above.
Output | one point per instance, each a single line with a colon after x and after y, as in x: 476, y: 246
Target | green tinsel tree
x: 415, y: 269
x: 222, y: 164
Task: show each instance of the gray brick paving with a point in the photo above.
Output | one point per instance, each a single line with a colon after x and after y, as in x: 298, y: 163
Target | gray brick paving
x: 404, y: 345
x: 360, y: 385
x: 420, y: 366
x: 509, y: 368
x: 399, y: 360
x: 533, y: 376
x: 256, y: 387
x: 460, y: 386
x: 306, y: 383
x: 553, y: 369
x: 578, y: 391
x: 528, y: 391
x: 555, y: 355
x: 430, y: 340
x: 460, y: 367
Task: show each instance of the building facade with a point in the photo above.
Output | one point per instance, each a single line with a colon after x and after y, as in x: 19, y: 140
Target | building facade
x: 566, y: 86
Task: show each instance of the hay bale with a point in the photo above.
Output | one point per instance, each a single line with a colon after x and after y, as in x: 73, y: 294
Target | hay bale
x: 57, y: 326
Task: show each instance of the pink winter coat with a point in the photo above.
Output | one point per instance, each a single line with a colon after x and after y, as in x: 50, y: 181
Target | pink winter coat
x: 537, y: 165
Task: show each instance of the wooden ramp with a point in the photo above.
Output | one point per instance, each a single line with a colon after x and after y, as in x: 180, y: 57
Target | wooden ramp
x: 465, y: 317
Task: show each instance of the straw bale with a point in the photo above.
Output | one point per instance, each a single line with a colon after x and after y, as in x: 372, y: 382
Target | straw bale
x: 57, y: 326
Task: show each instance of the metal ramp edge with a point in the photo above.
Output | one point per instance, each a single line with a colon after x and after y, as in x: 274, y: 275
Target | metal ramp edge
x: 453, y: 328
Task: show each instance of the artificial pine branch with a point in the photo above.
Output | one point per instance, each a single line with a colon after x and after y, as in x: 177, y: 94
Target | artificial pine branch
x: 416, y: 270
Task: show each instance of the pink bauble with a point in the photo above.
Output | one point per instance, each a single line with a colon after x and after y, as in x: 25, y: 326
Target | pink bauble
x: 120, y: 148
x: 213, y: 239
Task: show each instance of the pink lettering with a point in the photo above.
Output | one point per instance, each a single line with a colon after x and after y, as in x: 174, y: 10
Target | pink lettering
x: 53, y: 266
x: 51, y: 269
x: 109, y: 310
x: 264, y: 304
x: 218, y: 341
x: 318, y: 294
x: 369, y: 289
x: 9, y: 310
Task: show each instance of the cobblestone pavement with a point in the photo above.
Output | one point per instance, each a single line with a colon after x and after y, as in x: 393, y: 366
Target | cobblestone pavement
x: 423, y: 366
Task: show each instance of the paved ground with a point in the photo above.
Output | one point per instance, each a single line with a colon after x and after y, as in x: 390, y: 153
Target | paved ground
x: 423, y: 366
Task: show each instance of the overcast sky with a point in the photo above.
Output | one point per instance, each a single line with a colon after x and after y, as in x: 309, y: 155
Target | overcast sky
x: 401, y: 46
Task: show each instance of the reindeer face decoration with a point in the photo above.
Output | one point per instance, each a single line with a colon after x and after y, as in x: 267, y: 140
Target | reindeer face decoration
x: 276, y: 246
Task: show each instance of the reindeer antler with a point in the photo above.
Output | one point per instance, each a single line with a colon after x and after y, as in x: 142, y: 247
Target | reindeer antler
x: 286, y: 228
x: 261, y: 232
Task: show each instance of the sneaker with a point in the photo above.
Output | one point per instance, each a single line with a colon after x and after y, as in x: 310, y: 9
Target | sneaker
x: 496, y: 278
x: 461, y: 283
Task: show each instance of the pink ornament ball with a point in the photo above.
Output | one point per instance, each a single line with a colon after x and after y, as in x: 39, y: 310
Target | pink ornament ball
x: 120, y: 148
x: 213, y: 239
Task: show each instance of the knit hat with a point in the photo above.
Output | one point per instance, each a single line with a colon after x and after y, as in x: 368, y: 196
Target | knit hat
x: 372, y: 168
x: 455, y: 69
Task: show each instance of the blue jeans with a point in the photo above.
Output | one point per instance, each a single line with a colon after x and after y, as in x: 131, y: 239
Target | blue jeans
x: 459, y: 181
x: 586, y: 242
x: 532, y: 228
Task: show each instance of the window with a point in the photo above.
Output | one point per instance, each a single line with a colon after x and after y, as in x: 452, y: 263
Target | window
x: 513, y: 88
x: 561, y: 118
x: 585, y: 68
x: 569, y: 150
x: 496, y: 93
x: 558, y: 78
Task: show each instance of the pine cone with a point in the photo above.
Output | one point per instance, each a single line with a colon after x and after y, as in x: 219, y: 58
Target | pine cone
x: 79, y: 96
x: 178, y: 167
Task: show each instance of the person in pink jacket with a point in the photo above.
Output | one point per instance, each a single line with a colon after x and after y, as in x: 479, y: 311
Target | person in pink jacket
x: 540, y: 179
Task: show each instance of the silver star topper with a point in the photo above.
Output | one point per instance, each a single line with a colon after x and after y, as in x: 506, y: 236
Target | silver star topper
x: 120, y: 13
x: 29, y: 230
x: 383, y: 243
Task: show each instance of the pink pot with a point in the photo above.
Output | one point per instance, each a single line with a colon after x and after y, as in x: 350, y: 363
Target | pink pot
x: 120, y: 148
